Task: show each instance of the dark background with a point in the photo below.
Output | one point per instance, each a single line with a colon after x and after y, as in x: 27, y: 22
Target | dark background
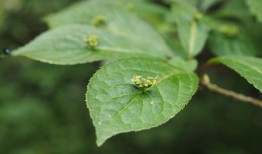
x: 43, y: 111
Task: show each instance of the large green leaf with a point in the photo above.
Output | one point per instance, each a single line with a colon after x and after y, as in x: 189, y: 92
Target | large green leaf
x: 192, y: 32
x: 116, y: 105
x: 221, y: 44
x: 67, y: 45
x: 118, y: 21
x: 255, y: 8
x: 248, y: 67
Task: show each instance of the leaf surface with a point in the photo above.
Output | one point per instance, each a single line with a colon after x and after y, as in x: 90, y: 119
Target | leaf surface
x: 188, y: 66
x: 116, y: 105
x: 67, y: 45
x: 248, y: 67
x: 192, y: 33
x: 222, y: 45
x: 118, y: 21
x: 255, y: 8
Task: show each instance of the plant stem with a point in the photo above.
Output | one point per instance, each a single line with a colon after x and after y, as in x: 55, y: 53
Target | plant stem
x: 213, y: 87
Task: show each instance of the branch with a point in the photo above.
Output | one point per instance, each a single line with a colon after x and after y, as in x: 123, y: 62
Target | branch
x: 205, y: 82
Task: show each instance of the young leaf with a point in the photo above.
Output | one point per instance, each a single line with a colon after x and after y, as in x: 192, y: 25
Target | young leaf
x: 248, y: 67
x: 188, y: 66
x: 221, y: 44
x: 255, y: 8
x: 117, y: 105
x: 118, y: 21
x: 75, y: 44
x: 192, y: 30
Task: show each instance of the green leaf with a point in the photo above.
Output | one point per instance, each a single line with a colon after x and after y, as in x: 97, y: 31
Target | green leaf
x: 248, y: 67
x: 206, y: 4
x: 236, y: 9
x: 221, y: 44
x: 202, y: 5
x: 254, y: 31
x: 116, y: 105
x: 150, y: 12
x: 67, y: 45
x: 192, y: 32
x: 118, y: 21
x: 255, y: 8
x: 188, y: 66
x: 191, y: 3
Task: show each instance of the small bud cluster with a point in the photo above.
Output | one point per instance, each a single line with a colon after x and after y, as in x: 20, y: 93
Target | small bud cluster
x: 228, y: 30
x: 197, y: 15
x: 92, y: 40
x: 143, y: 83
x: 99, y: 21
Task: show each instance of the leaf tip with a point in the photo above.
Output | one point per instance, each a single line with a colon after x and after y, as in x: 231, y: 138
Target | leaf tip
x: 102, y: 136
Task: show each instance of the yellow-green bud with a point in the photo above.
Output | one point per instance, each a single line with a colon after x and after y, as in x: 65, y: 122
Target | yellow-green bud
x: 143, y: 83
x: 198, y: 15
x: 92, y: 40
x: 99, y: 21
x: 229, y: 30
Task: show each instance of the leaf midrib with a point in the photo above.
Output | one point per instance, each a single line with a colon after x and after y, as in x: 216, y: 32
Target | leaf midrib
x: 192, y: 39
x: 129, y: 103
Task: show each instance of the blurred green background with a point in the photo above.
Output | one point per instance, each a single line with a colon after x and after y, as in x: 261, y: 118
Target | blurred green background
x: 43, y: 111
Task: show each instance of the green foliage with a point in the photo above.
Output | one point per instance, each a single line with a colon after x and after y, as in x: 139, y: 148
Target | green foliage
x: 192, y: 31
x: 231, y: 41
x: 149, y: 81
x: 255, y: 8
x: 119, y: 22
x: 248, y: 67
x: 189, y: 66
x: 67, y: 45
x: 116, y: 105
